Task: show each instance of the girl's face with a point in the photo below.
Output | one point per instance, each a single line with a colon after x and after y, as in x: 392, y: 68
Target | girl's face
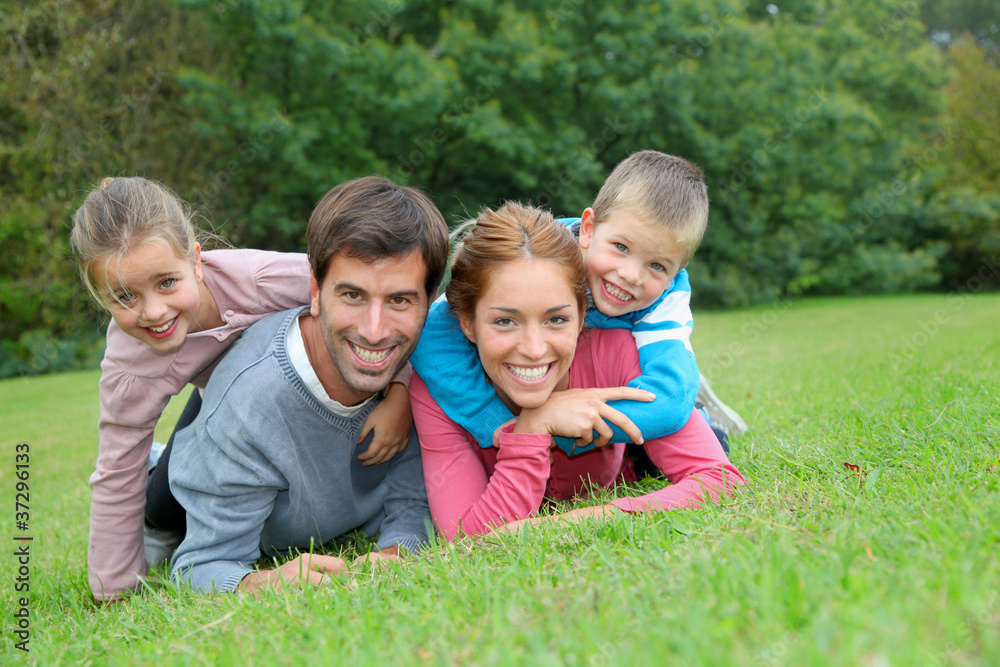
x: 525, y: 326
x: 157, y: 296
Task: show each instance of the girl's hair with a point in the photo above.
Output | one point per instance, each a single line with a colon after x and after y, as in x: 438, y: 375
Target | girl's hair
x: 514, y: 231
x: 119, y: 215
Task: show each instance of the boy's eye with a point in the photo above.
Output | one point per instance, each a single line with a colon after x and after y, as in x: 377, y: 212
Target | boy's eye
x: 168, y: 283
x: 656, y: 266
x: 621, y: 247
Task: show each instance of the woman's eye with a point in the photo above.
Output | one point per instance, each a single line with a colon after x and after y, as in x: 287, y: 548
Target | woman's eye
x: 168, y: 283
x: 558, y: 319
x: 503, y: 322
x: 621, y: 247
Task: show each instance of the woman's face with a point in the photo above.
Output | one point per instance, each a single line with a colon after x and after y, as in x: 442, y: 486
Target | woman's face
x: 525, y: 326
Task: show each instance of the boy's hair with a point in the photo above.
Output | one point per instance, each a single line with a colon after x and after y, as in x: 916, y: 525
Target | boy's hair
x: 121, y: 214
x: 514, y: 231
x: 662, y: 189
x: 372, y: 218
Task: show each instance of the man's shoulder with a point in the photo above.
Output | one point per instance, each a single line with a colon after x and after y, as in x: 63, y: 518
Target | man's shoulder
x: 262, y: 340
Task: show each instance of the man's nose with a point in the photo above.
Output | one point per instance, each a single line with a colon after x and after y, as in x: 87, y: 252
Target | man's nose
x: 373, y: 327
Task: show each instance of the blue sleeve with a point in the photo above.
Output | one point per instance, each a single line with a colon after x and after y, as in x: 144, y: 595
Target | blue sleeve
x: 662, y: 333
x: 449, y: 364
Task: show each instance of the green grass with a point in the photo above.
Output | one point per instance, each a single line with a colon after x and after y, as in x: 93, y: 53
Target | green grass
x: 813, y: 563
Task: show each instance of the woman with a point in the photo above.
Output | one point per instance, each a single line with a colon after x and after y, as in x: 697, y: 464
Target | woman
x: 518, y: 288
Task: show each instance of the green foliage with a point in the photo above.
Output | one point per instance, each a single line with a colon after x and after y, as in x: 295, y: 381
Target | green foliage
x: 838, y: 156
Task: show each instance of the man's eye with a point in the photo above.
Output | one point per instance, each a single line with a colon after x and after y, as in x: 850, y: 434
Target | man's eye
x: 399, y: 301
x: 621, y: 247
x: 353, y: 296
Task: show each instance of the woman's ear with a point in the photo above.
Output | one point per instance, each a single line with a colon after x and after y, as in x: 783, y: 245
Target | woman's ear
x: 586, y: 228
x: 466, y: 323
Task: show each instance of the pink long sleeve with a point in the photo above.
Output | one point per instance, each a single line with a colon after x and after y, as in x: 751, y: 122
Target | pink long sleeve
x: 694, y: 462
x: 471, y: 489
x: 136, y: 385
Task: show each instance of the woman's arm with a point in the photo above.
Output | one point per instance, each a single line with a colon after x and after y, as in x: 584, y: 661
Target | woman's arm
x: 463, y: 496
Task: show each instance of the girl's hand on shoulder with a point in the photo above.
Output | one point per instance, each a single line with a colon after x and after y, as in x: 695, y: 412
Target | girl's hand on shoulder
x: 392, y: 422
x: 577, y: 413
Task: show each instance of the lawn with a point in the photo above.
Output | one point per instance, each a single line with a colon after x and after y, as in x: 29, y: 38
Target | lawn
x: 868, y: 533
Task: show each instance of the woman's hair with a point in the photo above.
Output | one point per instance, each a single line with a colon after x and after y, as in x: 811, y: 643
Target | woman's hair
x: 121, y: 214
x: 514, y: 231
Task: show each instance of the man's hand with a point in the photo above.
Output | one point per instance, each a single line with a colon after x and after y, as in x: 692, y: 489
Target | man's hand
x: 375, y: 559
x: 392, y: 421
x: 306, y: 569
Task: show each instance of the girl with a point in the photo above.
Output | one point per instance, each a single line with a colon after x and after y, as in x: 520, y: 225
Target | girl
x: 518, y: 289
x: 175, y: 312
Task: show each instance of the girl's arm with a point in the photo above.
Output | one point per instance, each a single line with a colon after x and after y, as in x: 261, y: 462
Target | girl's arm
x: 449, y: 365
x: 463, y: 498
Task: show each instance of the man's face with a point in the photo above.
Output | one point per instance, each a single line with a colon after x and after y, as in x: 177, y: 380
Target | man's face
x: 371, y: 315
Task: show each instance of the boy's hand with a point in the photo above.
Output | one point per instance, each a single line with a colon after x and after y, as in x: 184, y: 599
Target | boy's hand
x: 392, y: 422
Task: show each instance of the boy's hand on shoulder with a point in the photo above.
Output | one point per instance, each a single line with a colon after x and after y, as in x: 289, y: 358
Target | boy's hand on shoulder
x: 392, y: 422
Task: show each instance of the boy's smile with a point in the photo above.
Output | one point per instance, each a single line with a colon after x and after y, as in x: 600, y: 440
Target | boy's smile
x: 629, y: 262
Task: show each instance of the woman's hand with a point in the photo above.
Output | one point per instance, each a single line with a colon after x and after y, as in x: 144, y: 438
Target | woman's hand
x: 572, y: 516
x: 577, y: 413
x: 392, y: 421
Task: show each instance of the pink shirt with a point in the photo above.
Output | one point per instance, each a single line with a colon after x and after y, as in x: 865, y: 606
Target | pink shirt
x: 471, y: 489
x: 137, y: 383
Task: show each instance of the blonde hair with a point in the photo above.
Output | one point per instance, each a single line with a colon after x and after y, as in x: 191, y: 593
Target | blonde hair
x: 514, y: 231
x: 665, y: 190
x: 121, y: 214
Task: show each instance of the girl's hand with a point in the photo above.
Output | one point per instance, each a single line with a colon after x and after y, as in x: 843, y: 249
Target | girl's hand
x: 577, y: 413
x: 392, y: 421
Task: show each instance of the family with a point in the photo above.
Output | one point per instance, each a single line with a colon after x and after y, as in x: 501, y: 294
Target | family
x: 334, y: 394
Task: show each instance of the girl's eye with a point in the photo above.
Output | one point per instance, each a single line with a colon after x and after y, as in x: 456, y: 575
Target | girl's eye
x: 656, y: 266
x: 168, y: 283
x: 621, y: 247
x: 124, y: 297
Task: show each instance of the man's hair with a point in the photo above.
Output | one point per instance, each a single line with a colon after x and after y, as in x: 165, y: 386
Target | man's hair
x: 495, y: 238
x: 372, y: 218
x: 661, y: 189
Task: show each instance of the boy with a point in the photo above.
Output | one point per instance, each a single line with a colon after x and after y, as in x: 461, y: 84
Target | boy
x: 642, y: 230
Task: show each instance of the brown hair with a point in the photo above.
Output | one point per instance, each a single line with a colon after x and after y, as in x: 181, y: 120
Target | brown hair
x: 662, y: 189
x: 514, y: 231
x: 121, y: 214
x: 371, y: 218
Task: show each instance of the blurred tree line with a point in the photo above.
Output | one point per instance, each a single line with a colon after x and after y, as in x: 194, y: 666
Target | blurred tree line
x: 850, y: 146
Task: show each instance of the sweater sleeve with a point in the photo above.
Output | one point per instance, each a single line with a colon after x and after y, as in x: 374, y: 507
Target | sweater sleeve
x: 669, y: 370
x: 463, y: 497
x: 130, y: 408
x: 449, y: 365
x: 228, y: 489
x: 406, y: 510
x: 693, y: 460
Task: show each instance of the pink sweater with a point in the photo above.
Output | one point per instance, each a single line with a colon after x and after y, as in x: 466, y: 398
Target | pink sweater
x: 137, y: 383
x: 471, y: 489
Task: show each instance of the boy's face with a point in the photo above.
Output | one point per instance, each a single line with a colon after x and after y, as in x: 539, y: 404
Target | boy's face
x: 629, y: 261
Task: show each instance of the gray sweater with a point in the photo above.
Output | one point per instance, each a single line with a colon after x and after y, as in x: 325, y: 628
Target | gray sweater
x: 266, y: 468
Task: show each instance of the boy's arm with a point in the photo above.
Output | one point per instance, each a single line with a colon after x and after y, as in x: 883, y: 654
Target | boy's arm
x: 449, y: 365
x: 669, y: 370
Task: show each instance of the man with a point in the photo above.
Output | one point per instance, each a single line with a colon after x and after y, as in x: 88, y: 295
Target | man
x: 270, y: 465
